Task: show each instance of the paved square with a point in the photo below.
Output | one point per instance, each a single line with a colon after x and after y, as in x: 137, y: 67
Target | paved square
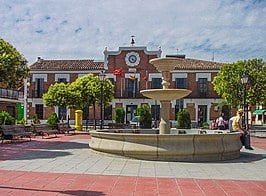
x: 66, y: 166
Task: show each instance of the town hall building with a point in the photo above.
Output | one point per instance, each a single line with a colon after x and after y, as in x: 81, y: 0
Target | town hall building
x: 129, y: 70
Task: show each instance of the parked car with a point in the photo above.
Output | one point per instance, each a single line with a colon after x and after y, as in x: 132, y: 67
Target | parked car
x: 135, y: 121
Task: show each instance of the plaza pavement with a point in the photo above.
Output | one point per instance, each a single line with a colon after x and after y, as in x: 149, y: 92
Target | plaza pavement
x: 66, y: 166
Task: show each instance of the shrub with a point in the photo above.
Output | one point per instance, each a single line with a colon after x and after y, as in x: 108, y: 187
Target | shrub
x: 145, y: 116
x: 120, y: 115
x: 53, y: 120
x: 6, y: 118
x: 205, y: 125
x: 35, y: 119
x: 183, y: 120
x: 21, y: 122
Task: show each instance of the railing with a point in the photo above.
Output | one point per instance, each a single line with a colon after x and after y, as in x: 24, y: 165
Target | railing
x: 126, y: 95
x: 10, y: 94
x: 37, y: 93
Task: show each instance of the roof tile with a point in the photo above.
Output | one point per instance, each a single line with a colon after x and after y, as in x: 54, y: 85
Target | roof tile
x: 42, y: 64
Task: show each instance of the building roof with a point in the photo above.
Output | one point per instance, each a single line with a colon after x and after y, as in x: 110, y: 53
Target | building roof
x: 195, y: 64
x: 42, y: 64
x: 70, y: 65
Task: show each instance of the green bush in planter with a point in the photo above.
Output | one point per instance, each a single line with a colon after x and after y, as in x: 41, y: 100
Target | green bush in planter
x: 6, y: 118
x: 119, y: 115
x: 183, y: 120
x: 53, y: 120
x: 205, y: 125
x: 145, y: 119
x: 35, y: 119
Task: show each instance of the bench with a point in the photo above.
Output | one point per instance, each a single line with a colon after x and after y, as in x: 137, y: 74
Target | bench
x: 118, y: 126
x: 44, y: 129
x: 11, y: 132
x: 65, y: 128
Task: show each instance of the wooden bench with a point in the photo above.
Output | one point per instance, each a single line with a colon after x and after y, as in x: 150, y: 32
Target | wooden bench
x: 11, y: 132
x: 44, y: 129
x: 65, y: 128
x: 118, y: 126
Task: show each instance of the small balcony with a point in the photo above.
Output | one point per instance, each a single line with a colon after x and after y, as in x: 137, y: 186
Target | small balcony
x: 10, y: 94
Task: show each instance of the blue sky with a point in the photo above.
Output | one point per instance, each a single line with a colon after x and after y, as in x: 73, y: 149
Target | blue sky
x: 81, y: 29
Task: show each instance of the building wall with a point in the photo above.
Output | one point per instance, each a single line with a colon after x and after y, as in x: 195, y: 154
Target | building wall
x: 116, y: 60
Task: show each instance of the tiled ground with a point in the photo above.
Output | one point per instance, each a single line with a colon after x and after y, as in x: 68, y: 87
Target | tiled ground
x: 14, y: 182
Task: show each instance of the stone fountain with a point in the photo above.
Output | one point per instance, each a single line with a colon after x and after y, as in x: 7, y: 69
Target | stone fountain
x: 141, y: 144
x: 165, y: 95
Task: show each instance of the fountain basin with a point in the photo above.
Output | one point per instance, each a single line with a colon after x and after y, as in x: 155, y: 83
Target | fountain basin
x: 166, y: 63
x: 168, y: 147
x: 165, y: 94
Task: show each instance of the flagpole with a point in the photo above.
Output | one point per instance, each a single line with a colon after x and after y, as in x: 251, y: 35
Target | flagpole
x: 146, y: 80
x: 121, y: 87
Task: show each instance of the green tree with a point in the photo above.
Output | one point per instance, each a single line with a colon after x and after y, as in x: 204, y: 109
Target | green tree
x: 13, y: 66
x: 80, y: 94
x: 59, y: 94
x: 228, y: 85
x: 87, y: 90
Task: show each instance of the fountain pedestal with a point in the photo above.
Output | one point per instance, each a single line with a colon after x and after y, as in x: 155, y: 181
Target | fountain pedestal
x: 165, y: 95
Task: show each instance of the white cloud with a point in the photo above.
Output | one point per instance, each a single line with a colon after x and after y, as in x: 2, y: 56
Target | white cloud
x: 74, y: 29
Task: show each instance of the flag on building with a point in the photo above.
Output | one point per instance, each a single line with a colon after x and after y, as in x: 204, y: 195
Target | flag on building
x: 131, y: 77
x: 117, y: 72
x: 145, y: 78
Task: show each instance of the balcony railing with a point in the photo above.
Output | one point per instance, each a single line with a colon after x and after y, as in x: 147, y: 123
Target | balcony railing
x: 37, y: 93
x: 10, y: 94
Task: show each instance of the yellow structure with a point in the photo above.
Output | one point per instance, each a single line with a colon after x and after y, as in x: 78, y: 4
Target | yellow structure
x: 78, y: 120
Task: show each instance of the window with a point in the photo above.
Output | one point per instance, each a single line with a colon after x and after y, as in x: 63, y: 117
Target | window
x: 11, y: 110
x: 181, y: 83
x: 39, y: 110
x: 63, y: 80
x: 131, y: 87
x: 179, y: 106
x: 62, y: 113
x: 155, y: 113
x: 39, y: 87
x: 156, y: 83
x: 108, y: 113
x: 202, y: 87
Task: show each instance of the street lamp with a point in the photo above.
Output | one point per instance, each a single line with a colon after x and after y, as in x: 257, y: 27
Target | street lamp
x: 25, y: 99
x: 244, y: 81
x: 101, y: 78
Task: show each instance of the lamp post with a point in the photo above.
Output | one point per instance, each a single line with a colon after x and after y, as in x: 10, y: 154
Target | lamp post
x: 101, y: 77
x: 25, y: 99
x: 244, y: 81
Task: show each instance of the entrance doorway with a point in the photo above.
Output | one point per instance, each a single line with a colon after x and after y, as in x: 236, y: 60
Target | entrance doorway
x: 131, y: 111
x: 202, y: 114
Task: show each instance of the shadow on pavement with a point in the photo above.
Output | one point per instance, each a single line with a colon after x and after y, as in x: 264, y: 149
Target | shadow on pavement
x: 68, y: 192
x: 38, y: 149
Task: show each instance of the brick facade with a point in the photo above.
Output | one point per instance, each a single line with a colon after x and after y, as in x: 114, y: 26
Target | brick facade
x: 192, y: 69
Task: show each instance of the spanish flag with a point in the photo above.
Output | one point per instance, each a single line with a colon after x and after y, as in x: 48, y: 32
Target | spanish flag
x: 131, y: 77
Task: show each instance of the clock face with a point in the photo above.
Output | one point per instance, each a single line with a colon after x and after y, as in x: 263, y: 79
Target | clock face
x: 132, y: 59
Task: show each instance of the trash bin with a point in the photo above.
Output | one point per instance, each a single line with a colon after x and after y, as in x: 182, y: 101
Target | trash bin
x: 78, y: 120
